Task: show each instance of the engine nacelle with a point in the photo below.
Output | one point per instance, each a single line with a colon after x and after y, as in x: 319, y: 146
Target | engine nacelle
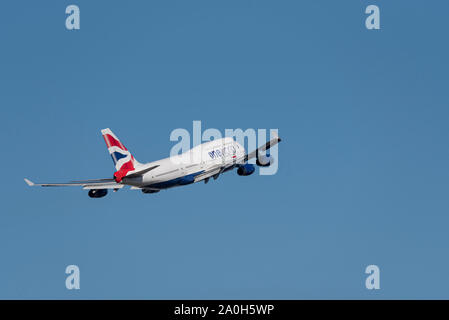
x: 246, y: 169
x: 98, y: 193
x: 264, y: 161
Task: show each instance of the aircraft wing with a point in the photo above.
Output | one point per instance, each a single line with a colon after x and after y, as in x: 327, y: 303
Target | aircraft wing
x: 216, y: 171
x: 209, y: 173
x: 265, y: 147
x: 86, y: 184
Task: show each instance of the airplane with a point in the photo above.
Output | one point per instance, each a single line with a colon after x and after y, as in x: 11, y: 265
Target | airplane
x: 205, y: 161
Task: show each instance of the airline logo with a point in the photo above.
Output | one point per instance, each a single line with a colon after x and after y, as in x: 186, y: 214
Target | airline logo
x: 123, y: 159
x: 222, y: 153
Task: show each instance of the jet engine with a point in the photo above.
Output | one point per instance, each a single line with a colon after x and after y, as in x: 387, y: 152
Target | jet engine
x: 98, y: 193
x: 246, y: 169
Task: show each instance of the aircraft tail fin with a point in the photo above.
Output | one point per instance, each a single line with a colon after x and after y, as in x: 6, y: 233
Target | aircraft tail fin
x: 123, y: 159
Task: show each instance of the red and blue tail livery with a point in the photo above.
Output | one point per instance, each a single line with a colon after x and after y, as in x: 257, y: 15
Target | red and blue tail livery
x: 123, y: 159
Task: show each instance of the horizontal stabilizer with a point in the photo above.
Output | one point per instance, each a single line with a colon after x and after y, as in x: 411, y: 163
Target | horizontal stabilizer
x: 140, y: 172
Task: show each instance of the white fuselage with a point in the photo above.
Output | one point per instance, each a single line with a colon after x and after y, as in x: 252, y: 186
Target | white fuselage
x: 199, y: 163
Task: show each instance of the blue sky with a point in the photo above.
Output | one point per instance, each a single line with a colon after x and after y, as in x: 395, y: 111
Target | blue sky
x: 363, y: 176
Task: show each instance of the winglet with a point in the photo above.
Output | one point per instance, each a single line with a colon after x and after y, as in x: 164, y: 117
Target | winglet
x: 30, y: 183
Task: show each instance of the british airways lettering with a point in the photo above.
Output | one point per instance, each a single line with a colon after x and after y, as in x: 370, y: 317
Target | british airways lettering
x: 221, y: 153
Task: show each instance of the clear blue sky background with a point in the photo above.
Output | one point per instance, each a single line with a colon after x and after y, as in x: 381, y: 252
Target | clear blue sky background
x: 363, y: 169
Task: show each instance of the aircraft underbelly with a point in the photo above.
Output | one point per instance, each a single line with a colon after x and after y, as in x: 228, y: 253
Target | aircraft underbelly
x: 180, y: 181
